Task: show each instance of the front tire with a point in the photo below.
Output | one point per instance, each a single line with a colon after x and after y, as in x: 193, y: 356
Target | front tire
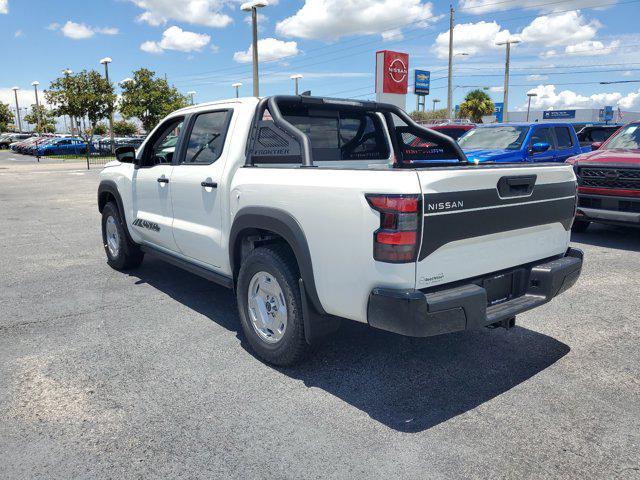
x: 270, y: 305
x: 579, y: 226
x: 122, y: 253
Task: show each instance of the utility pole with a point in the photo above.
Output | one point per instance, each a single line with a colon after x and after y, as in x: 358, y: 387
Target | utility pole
x: 435, y: 100
x: 35, y: 88
x: 106, y: 61
x: 252, y: 7
x: 449, y: 83
x: 15, y: 91
x: 505, y: 101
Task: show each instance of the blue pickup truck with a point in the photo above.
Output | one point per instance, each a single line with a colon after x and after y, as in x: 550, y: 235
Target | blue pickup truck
x: 521, y: 142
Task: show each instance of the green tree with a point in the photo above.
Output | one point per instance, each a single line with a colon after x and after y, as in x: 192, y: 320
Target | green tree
x: 476, y: 105
x: 84, y: 95
x: 428, y: 116
x: 43, y: 118
x: 124, y: 128
x: 149, y: 99
x: 6, y: 117
x: 100, y: 129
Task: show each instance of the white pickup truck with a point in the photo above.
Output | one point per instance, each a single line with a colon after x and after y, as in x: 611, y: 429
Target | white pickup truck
x: 315, y: 210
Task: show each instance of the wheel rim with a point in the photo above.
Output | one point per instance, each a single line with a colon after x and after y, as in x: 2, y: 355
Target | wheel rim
x: 267, y: 307
x: 113, y: 237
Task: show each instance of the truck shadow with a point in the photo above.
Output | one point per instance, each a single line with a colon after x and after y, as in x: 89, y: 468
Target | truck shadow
x: 609, y: 236
x: 407, y: 384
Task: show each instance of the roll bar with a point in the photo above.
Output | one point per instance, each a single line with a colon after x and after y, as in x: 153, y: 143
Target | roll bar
x: 273, y: 105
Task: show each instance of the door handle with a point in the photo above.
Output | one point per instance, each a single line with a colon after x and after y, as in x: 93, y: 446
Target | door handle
x: 163, y: 180
x: 206, y: 184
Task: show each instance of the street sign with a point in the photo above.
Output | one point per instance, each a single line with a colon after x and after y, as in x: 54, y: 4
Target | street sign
x: 497, y: 111
x: 608, y: 113
x: 557, y: 114
x: 421, y: 82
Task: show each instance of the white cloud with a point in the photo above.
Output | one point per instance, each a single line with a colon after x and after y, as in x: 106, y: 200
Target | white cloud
x: 261, y: 18
x: 537, y: 78
x: 269, y: 49
x: 471, y: 38
x: 81, y: 31
x: 77, y: 31
x: 548, y: 98
x: 628, y: 73
x: 479, y: 7
x: 199, y: 12
x: 332, y: 19
x: 174, y: 38
x: 151, y: 47
x: 4, y: 6
x: 565, y: 29
x: 26, y: 97
x: 592, y: 48
x: 18, y: 34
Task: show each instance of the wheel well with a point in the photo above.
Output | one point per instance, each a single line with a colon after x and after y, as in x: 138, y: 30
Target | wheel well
x: 249, y: 239
x: 104, y: 198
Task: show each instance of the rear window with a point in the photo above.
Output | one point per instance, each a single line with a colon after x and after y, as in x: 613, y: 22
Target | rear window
x: 564, y: 137
x: 343, y: 136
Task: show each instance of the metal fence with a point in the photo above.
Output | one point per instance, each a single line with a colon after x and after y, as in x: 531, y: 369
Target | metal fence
x: 71, y: 149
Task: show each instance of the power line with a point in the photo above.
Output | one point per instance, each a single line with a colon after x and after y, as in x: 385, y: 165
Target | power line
x: 239, y: 69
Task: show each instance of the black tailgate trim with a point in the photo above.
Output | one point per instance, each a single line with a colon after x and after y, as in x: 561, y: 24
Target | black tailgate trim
x: 490, y: 197
x: 441, y: 229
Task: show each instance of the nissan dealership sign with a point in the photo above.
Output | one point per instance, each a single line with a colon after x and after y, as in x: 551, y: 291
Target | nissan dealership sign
x: 392, y: 77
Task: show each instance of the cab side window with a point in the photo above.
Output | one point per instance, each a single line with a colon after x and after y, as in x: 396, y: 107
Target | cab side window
x: 163, y: 145
x: 565, y: 139
x: 206, y: 139
x: 542, y: 135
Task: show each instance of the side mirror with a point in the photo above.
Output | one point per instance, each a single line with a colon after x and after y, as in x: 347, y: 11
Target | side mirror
x: 596, y: 145
x: 126, y: 154
x: 540, y: 147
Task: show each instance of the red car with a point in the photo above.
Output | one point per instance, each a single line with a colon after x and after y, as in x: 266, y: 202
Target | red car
x: 609, y: 181
x: 453, y: 130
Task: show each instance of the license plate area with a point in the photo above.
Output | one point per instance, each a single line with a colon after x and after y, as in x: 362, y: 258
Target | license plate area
x: 499, y: 288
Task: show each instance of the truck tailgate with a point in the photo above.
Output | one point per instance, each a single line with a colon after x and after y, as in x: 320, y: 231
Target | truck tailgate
x: 483, y: 220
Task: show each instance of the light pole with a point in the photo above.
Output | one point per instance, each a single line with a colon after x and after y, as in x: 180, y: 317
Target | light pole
x: 296, y: 77
x: 15, y: 91
x: 106, y: 61
x: 505, y: 101
x: 66, y: 72
x: 237, y: 87
x: 435, y: 100
x: 35, y: 88
x: 531, y: 94
x: 191, y: 95
x: 450, y: 80
x: 253, y: 7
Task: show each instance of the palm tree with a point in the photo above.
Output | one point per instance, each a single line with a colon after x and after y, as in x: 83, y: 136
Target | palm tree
x: 476, y: 105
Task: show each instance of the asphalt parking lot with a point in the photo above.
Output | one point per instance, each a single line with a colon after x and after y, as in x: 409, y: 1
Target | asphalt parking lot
x: 145, y: 375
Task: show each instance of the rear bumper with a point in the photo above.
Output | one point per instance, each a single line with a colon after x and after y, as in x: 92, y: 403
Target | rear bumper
x: 417, y: 314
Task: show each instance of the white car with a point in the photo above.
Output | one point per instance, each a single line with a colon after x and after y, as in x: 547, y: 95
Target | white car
x: 315, y: 210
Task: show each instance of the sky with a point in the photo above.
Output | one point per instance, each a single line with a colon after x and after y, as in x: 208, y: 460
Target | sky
x: 567, y: 47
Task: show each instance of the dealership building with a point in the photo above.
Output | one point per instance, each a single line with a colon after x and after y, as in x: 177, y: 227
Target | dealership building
x: 585, y: 115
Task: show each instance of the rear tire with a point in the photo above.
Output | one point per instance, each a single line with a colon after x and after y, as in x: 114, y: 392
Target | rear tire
x: 270, y: 305
x: 579, y: 226
x: 122, y: 253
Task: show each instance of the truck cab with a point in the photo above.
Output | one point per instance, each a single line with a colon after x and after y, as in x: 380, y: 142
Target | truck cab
x: 521, y: 142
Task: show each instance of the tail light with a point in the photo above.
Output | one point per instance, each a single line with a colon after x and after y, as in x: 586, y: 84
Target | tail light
x: 398, y: 238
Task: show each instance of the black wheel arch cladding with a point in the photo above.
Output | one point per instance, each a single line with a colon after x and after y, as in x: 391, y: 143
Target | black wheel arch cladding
x: 285, y: 225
